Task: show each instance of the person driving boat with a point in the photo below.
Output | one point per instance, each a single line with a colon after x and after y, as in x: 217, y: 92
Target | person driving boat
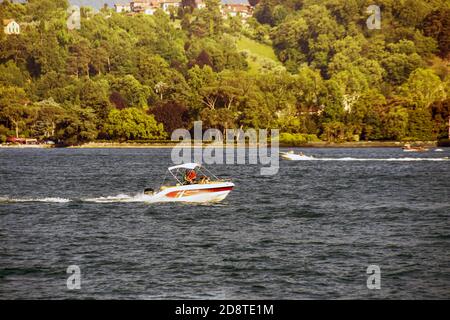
x: 190, y: 176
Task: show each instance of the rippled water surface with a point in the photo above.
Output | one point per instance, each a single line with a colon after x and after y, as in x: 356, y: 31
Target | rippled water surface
x: 309, y: 232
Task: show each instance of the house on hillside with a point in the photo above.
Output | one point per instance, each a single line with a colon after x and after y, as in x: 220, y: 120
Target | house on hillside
x: 166, y: 4
x: 245, y: 11
x: 11, y: 27
x: 150, y: 6
x: 119, y: 8
x: 141, y: 5
x: 150, y: 10
x: 145, y: 6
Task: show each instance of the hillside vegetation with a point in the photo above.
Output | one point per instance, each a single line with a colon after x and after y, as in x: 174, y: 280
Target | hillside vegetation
x: 310, y: 68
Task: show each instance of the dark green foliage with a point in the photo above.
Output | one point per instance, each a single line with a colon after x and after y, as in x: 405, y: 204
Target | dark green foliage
x: 264, y: 13
x: 437, y: 25
x: 420, y: 125
x: 139, y: 77
x: 172, y: 115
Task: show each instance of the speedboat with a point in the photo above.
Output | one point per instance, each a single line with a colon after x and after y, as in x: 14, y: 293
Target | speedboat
x: 193, y: 183
x: 294, y: 157
x: 409, y: 148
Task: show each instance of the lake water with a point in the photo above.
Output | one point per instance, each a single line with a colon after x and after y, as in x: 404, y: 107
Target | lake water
x: 309, y: 232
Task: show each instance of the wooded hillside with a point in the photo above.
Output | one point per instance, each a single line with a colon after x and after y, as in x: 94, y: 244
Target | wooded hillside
x: 311, y: 68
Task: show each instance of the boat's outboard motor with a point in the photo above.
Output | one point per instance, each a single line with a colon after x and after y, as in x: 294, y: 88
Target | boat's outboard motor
x: 149, y: 191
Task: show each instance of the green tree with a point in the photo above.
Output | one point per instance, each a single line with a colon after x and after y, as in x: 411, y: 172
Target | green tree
x: 11, y: 75
x: 264, y: 14
x: 423, y: 88
x: 352, y: 83
x: 133, y: 124
x: 49, y: 113
x: 420, y: 125
x: 134, y: 93
x: 396, y: 123
x: 95, y: 95
x: 437, y: 25
x: 46, y: 9
x: 366, y: 115
x: 13, y: 107
x: 402, y: 60
x: 334, y: 132
x: 79, y: 59
x: 77, y: 126
x: 208, y: 22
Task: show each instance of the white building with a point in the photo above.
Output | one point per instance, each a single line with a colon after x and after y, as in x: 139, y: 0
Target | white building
x: 165, y: 5
x: 122, y: 8
x: 11, y: 26
x: 140, y: 6
x: 151, y: 6
x: 150, y: 10
x: 245, y: 11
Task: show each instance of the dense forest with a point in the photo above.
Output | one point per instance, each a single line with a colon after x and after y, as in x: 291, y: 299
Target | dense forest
x: 122, y: 77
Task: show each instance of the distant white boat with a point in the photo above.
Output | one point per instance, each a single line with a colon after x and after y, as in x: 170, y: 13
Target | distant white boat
x: 439, y: 150
x: 294, y: 157
x: 409, y: 148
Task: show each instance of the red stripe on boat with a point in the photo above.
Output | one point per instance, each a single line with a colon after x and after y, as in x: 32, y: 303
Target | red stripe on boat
x: 188, y: 193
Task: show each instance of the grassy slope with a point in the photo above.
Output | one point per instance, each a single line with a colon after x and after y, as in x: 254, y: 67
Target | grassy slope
x: 258, y: 53
x: 256, y: 48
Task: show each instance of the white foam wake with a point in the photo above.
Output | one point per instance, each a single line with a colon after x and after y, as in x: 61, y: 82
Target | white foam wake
x: 119, y: 198
x: 108, y: 199
x: 47, y: 199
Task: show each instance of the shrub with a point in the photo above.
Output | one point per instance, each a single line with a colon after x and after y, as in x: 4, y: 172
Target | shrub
x: 297, y: 139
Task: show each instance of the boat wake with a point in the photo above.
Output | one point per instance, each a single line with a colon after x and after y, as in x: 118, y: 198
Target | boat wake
x: 140, y: 197
x: 46, y: 199
x: 120, y: 198
x: 374, y: 159
x: 109, y: 199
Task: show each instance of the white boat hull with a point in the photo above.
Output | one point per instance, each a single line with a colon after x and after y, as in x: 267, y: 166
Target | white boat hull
x: 294, y: 157
x: 415, y: 150
x: 195, y: 193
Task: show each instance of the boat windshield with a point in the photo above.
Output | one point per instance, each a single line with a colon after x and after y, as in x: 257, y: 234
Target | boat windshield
x: 189, y: 174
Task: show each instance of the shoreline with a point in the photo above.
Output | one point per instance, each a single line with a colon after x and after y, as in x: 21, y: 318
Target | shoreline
x: 126, y: 145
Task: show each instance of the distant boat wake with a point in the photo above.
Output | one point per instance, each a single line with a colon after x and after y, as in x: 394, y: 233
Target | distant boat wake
x: 373, y: 159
